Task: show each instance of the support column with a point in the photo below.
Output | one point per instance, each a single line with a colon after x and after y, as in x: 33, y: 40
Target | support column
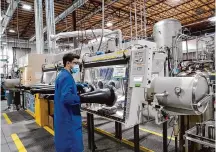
x: 90, y: 127
x: 181, y: 133
x: 74, y: 28
x: 136, y: 138
x: 50, y: 21
x: 165, y: 149
x: 39, y: 26
x: 118, y: 130
x: 23, y: 100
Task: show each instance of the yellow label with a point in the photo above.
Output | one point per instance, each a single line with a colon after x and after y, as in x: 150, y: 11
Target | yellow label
x: 121, y: 51
x: 110, y: 56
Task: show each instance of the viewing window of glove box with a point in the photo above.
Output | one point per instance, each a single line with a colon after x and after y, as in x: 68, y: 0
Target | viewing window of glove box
x: 100, y: 78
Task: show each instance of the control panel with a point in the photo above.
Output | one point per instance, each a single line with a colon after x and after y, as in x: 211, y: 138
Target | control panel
x: 140, y: 67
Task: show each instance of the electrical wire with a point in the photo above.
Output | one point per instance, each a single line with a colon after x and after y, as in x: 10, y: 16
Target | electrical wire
x: 141, y: 17
x: 87, y: 38
x: 144, y: 14
x: 131, y: 24
x: 173, y: 129
x: 102, y: 26
x: 170, y: 138
x: 79, y: 38
x: 94, y: 34
x: 135, y: 7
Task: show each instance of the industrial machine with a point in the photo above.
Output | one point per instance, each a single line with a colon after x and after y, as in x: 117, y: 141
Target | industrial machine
x: 129, y: 73
x: 147, y: 78
x: 186, y: 92
x: 180, y: 96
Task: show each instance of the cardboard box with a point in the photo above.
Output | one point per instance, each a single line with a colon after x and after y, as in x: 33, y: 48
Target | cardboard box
x: 51, y: 104
x: 51, y: 120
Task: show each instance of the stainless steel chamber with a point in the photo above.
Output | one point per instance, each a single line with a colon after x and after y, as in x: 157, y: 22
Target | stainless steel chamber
x: 182, y: 95
x: 165, y: 30
x: 167, y: 35
x: 11, y: 83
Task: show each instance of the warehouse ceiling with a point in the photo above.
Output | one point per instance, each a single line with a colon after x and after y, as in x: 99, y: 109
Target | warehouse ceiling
x: 193, y: 14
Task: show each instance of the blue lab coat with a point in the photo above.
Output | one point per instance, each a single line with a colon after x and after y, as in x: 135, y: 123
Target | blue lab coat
x: 67, y: 117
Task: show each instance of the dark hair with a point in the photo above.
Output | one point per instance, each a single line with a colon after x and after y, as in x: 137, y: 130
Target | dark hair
x: 69, y: 57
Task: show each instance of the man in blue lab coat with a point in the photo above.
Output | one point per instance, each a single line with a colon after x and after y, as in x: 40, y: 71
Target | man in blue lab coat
x: 67, y: 117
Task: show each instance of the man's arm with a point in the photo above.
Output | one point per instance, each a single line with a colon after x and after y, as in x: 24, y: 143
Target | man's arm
x: 69, y: 97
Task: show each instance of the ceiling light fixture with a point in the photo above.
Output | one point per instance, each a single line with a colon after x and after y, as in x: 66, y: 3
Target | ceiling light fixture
x: 212, y: 19
x: 109, y: 24
x: 27, y: 7
x: 11, y: 31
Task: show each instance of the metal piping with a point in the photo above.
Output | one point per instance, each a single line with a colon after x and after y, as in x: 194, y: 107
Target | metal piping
x: 97, y: 32
x: 9, y: 14
x: 187, y: 47
x: 59, y: 55
x: 50, y: 21
x: 39, y: 26
x: 68, y: 11
x: 197, y: 48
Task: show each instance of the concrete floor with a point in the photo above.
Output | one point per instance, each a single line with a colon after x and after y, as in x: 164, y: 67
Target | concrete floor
x: 149, y: 133
x: 35, y: 138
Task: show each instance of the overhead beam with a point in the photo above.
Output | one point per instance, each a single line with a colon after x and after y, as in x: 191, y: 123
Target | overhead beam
x: 122, y: 16
x: 122, y: 11
x: 187, y: 24
x: 92, y: 13
x: 9, y: 14
x: 109, y: 5
x: 28, y: 26
x: 182, y: 12
x: 158, y: 13
x: 65, y: 13
x: 117, y: 13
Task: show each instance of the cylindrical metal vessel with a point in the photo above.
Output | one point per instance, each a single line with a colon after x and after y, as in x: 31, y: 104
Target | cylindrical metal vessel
x: 165, y: 30
x: 167, y: 35
x: 181, y: 94
x: 11, y: 83
x: 209, y: 113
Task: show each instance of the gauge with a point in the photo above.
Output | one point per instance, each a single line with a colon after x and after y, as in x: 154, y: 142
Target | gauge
x: 177, y: 90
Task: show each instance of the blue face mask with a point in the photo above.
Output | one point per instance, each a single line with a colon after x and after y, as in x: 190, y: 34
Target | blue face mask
x: 75, y: 69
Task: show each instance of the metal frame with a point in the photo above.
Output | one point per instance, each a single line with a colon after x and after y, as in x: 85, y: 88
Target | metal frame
x: 90, y: 128
x: 90, y: 11
x: 9, y: 15
x: 190, y: 136
x: 118, y: 134
x: 118, y: 61
x: 132, y: 107
x: 118, y: 130
x: 47, y: 69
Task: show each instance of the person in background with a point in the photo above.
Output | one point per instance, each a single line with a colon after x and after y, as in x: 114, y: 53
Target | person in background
x: 67, y: 116
x: 10, y: 96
